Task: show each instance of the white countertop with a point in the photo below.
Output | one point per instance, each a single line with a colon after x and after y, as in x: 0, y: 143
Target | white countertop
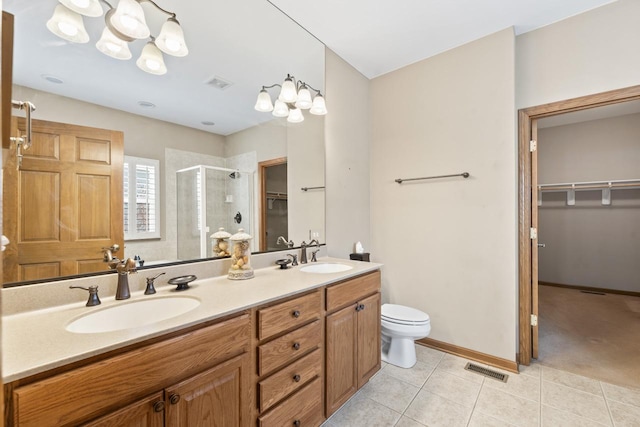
x: 36, y: 341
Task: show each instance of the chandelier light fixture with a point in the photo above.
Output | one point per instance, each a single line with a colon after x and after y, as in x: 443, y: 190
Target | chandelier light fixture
x: 295, y: 96
x: 123, y: 24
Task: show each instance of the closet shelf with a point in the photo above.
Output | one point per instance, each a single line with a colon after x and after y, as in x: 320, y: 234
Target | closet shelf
x: 605, y: 186
x: 276, y: 195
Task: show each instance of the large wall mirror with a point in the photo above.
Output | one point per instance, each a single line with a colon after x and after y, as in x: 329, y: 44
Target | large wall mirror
x: 192, y: 144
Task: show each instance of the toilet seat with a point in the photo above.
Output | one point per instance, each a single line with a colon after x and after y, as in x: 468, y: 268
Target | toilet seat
x: 402, y: 315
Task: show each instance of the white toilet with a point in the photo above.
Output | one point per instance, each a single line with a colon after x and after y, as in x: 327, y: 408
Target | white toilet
x: 401, y: 326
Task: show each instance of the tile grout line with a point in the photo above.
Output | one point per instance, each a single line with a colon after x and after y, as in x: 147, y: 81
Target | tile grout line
x: 419, y: 390
x: 606, y: 402
x: 540, y: 394
x: 476, y: 402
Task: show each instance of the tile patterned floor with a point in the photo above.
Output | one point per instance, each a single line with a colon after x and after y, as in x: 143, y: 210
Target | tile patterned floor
x: 439, y: 392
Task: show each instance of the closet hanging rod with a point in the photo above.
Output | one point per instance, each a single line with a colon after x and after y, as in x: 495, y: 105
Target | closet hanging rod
x: 463, y: 174
x: 311, y: 188
x: 591, y: 185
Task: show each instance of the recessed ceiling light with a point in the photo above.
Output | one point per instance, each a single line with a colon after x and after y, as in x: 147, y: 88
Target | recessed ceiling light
x: 146, y: 104
x: 207, y: 123
x: 52, y: 79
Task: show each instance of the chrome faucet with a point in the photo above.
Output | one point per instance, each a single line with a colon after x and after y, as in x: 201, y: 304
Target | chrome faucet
x: 283, y: 240
x: 123, y: 269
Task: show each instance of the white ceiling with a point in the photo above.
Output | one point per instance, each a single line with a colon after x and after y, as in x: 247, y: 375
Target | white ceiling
x: 379, y: 36
x: 249, y: 43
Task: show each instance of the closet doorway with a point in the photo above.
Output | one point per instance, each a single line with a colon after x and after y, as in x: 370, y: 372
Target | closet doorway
x: 529, y: 209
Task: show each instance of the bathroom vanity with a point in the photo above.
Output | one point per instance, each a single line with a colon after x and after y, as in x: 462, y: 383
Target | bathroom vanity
x: 285, y: 348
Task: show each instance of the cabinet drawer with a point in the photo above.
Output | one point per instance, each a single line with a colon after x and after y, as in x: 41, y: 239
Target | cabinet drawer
x: 305, y: 407
x: 281, y: 350
x: 290, y: 378
x: 352, y: 290
x: 290, y: 314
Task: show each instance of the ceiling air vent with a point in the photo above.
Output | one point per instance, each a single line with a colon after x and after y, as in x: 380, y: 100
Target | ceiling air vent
x: 219, y: 83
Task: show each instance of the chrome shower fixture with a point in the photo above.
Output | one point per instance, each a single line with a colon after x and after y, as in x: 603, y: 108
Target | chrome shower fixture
x: 234, y: 175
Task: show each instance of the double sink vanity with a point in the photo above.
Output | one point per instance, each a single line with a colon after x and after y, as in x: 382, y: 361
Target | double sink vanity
x: 286, y: 348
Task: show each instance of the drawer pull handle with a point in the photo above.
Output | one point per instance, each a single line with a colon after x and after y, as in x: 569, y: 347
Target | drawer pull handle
x: 158, y: 406
x: 359, y: 307
x: 175, y: 398
x: 296, y: 378
x: 295, y: 314
x: 296, y: 346
x: 296, y: 423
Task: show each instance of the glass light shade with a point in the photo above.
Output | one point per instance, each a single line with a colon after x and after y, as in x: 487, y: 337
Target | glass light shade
x: 295, y: 116
x: 288, y: 93
x: 151, y: 60
x: 263, y: 103
x: 304, y: 99
x: 67, y: 24
x: 112, y: 46
x: 319, y: 107
x: 171, y: 39
x: 129, y: 20
x: 84, y: 7
x: 280, y: 109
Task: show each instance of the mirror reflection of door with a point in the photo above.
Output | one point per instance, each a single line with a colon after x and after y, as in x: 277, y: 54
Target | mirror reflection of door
x: 65, y: 203
x: 273, y: 202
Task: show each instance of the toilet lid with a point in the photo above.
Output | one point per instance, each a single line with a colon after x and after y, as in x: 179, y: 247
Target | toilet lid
x: 405, y: 315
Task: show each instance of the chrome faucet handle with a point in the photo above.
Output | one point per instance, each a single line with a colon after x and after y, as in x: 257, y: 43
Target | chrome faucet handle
x: 150, y: 285
x: 303, y: 252
x: 93, y: 295
x: 313, y: 255
x: 294, y: 259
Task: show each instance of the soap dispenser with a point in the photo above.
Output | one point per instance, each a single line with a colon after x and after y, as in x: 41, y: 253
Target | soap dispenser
x: 220, y: 246
x: 240, y: 256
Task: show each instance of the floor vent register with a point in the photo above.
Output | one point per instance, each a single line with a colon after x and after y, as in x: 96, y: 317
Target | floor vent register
x: 486, y: 372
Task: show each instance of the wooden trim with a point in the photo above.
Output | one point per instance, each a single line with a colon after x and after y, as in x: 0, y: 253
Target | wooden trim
x: 590, y: 289
x: 525, y: 116
x: 7, y: 76
x: 262, y: 183
x: 498, y: 362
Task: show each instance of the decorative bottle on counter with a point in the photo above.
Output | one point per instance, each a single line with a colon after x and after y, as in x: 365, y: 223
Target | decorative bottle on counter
x: 220, y: 246
x: 240, y: 256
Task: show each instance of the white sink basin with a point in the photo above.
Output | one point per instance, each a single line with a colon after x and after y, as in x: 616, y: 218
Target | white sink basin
x: 128, y: 315
x: 326, y: 268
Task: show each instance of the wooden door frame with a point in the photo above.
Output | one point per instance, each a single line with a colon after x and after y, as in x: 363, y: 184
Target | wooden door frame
x: 525, y: 199
x: 262, y: 182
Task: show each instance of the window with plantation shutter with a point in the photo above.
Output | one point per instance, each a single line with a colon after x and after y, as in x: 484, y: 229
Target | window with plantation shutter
x: 141, y: 198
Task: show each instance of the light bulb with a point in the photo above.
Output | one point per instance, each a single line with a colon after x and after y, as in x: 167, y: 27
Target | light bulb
x: 288, y: 92
x: 68, y: 25
x: 304, y: 99
x: 319, y: 107
x: 112, y: 46
x: 151, y: 60
x: 171, y: 39
x: 280, y: 109
x: 129, y: 20
x: 263, y: 103
x: 295, y: 116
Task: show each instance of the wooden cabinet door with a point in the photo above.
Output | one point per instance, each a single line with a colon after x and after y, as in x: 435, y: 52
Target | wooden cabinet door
x: 65, y: 202
x: 217, y: 397
x: 368, y: 338
x: 341, y: 363
x: 148, y: 412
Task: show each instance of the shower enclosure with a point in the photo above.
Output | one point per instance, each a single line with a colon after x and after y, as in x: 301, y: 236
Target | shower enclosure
x: 211, y: 197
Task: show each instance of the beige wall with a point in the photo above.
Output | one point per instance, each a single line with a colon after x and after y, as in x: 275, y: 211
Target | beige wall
x: 590, y: 244
x: 449, y: 246
x: 589, y: 53
x: 347, y: 150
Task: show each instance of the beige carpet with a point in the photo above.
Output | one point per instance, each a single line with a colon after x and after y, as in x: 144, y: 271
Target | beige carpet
x: 597, y: 336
